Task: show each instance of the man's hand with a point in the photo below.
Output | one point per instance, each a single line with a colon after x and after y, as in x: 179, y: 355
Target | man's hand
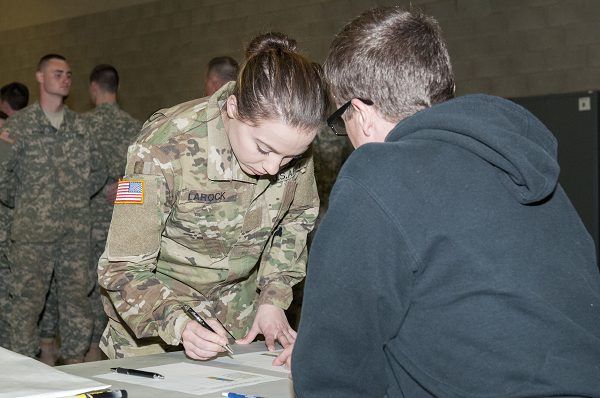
x: 285, y: 358
x: 201, y: 343
x: 5, y: 136
x: 270, y: 321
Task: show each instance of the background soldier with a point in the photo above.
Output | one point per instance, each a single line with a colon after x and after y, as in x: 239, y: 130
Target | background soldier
x: 220, y: 71
x: 113, y: 129
x: 13, y: 96
x: 58, y: 168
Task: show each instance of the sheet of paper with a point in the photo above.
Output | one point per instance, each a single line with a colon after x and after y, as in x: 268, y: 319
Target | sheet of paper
x: 262, y: 360
x: 189, y: 378
x: 21, y: 377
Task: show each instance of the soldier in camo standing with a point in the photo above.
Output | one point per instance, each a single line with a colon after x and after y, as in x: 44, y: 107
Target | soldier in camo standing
x: 13, y: 97
x: 218, y: 198
x: 58, y: 168
x: 114, y: 130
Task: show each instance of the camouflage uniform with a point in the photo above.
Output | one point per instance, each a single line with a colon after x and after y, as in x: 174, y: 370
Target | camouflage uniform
x: 6, y: 202
x: 330, y: 152
x: 57, y: 172
x: 207, y: 234
x: 113, y: 129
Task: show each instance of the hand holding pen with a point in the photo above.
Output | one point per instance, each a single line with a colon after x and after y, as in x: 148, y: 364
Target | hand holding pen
x: 201, y: 339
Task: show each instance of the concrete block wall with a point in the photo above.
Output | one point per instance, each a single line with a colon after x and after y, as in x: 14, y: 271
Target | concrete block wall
x: 504, y: 47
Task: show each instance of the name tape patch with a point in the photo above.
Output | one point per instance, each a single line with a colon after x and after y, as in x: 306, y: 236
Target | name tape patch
x: 211, y: 197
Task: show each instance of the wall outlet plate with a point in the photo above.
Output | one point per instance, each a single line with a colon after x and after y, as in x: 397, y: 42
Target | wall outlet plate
x: 585, y: 104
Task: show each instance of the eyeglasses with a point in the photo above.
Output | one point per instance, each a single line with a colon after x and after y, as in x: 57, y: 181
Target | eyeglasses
x: 335, y: 121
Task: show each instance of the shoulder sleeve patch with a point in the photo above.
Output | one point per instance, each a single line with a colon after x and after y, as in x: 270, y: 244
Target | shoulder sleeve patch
x: 135, y: 229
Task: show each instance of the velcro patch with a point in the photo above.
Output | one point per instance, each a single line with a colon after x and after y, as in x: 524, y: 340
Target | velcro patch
x: 136, y: 230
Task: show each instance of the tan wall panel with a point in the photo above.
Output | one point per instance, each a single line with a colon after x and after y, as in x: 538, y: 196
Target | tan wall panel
x: 502, y: 47
x: 22, y: 13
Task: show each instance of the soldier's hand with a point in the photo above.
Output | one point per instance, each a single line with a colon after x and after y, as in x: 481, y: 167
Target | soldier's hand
x: 271, y: 322
x: 6, y: 137
x: 201, y: 343
x: 111, y: 192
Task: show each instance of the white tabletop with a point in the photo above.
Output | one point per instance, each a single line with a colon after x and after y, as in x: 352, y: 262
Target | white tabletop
x: 282, y: 388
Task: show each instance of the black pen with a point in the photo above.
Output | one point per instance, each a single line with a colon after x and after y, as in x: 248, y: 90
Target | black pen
x: 194, y: 315
x: 135, y: 372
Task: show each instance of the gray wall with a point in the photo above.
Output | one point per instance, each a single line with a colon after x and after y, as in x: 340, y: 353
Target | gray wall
x: 503, y: 47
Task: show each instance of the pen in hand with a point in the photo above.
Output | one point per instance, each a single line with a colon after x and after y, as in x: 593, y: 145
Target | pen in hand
x: 194, y: 315
x: 135, y: 372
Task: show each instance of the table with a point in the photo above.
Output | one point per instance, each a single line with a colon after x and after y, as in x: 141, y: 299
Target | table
x: 281, y: 388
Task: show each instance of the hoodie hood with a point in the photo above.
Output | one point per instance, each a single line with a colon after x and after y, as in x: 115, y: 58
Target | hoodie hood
x: 500, y: 132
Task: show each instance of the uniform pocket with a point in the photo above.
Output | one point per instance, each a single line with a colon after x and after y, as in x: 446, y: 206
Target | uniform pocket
x: 208, y: 225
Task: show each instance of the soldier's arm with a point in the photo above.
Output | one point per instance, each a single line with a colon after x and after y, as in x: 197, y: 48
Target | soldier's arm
x: 8, y: 158
x: 148, y: 305
x: 284, y: 264
x: 98, y: 165
x: 7, y: 188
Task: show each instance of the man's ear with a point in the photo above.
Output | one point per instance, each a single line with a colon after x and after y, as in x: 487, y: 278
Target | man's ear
x: 364, y: 116
x: 39, y: 76
x: 232, y: 107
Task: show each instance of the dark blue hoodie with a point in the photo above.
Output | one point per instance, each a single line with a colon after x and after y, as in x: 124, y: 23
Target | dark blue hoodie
x: 452, y: 264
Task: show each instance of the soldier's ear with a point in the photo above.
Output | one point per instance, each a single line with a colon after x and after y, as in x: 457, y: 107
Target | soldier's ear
x: 232, y: 111
x: 39, y: 76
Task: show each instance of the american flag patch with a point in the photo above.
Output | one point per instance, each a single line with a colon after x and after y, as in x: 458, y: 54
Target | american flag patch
x: 130, y: 191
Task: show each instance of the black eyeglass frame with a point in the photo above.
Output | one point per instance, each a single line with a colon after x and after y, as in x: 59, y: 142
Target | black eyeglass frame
x: 338, y: 115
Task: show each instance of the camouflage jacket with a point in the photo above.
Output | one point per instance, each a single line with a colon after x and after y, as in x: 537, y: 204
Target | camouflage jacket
x: 6, y: 196
x: 114, y: 130
x: 330, y: 152
x: 207, y: 234
x: 57, y: 171
x: 7, y: 193
x: 6, y: 202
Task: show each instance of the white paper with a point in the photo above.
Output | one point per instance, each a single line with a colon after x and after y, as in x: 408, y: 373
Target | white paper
x: 262, y: 360
x: 21, y: 377
x: 192, y: 378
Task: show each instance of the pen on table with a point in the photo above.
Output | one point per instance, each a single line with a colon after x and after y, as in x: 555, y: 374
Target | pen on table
x: 194, y: 315
x: 235, y: 395
x: 135, y: 372
x: 104, y: 394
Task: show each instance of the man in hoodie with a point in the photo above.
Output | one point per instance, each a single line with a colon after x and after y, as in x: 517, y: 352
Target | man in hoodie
x: 450, y: 262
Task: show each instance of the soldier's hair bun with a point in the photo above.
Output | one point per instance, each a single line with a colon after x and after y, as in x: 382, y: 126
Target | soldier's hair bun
x: 270, y: 41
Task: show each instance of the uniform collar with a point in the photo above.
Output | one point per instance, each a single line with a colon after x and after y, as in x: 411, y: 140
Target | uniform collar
x: 108, y: 105
x: 68, y: 117
x: 222, y: 163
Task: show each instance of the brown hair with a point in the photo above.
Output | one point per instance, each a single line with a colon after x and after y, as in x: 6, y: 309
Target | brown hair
x: 44, y: 60
x: 106, y: 77
x: 277, y: 83
x: 396, y: 58
x: 224, y: 67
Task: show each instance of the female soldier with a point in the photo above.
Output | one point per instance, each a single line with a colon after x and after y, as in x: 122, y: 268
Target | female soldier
x: 214, y: 211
